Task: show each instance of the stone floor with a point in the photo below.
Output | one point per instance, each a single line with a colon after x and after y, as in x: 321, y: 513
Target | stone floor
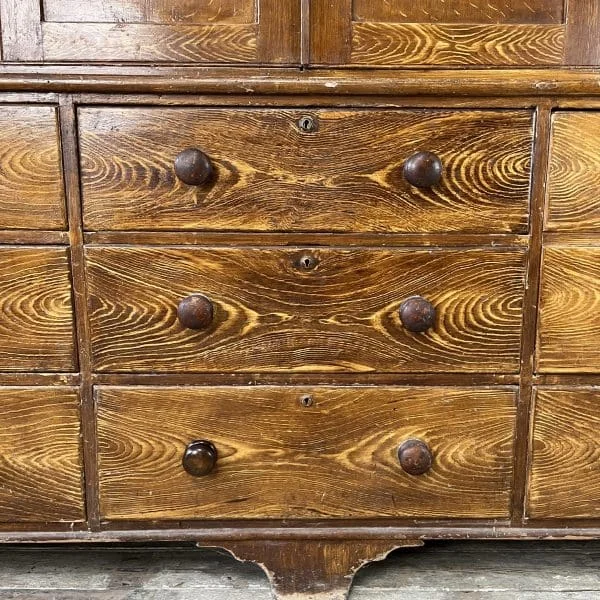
x: 440, y: 571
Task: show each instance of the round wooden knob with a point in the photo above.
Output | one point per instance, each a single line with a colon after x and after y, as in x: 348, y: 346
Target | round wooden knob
x: 415, y: 457
x: 417, y: 314
x: 423, y: 170
x: 199, y: 458
x: 193, y: 167
x: 195, y: 312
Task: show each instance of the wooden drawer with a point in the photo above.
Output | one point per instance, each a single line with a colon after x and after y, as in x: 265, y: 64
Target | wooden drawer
x: 41, y: 469
x: 569, y: 316
x: 565, y: 470
x: 574, y: 176
x: 36, y: 328
x: 31, y: 185
x: 319, y: 452
x: 269, y: 175
x: 299, y: 309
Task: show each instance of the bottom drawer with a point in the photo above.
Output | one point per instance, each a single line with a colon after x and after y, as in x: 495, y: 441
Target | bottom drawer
x: 297, y: 452
x: 40, y: 468
x: 564, y: 479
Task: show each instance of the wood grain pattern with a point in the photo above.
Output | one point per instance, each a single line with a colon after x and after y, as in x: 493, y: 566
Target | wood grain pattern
x: 565, y: 471
x: 273, y: 316
x: 272, y: 177
x: 574, y: 172
x: 336, y: 458
x: 41, y: 466
x: 148, y: 42
x: 454, y: 44
x: 582, y: 41
x: 36, y: 327
x: 21, y: 30
x: 150, y: 11
x: 569, y: 315
x: 460, y: 11
x: 31, y: 186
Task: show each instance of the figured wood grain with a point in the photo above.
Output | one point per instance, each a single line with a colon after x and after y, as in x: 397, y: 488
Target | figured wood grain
x: 41, y: 466
x: 569, y: 315
x: 574, y: 172
x: 583, y: 23
x: 565, y: 470
x: 150, y: 11
x: 148, y: 42
x: 277, y: 458
x: 272, y: 315
x: 36, y: 323
x: 456, y: 44
x: 271, y: 177
x: 31, y: 186
x: 459, y: 11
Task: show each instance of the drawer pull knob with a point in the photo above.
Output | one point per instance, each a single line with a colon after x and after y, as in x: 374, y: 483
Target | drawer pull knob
x: 200, y: 458
x: 193, y: 167
x: 415, y: 457
x: 195, y: 312
x: 417, y: 314
x: 423, y: 169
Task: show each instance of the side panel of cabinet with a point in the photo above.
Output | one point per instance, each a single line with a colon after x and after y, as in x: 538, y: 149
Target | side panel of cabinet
x: 218, y: 32
x: 459, y: 33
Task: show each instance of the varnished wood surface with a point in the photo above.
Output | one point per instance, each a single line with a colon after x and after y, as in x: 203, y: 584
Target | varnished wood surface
x: 272, y: 314
x: 336, y: 458
x: 41, y: 465
x: 569, y: 317
x: 31, y: 187
x: 36, y: 328
x: 269, y: 176
x: 574, y: 172
x: 565, y: 478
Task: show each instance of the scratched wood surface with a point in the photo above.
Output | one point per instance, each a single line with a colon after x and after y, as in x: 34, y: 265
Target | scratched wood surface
x: 346, y: 176
x: 564, y: 478
x: 31, y: 186
x: 36, y: 326
x: 271, y: 314
x: 336, y: 458
x: 41, y: 460
x: 569, y: 315
x: 574, y: 172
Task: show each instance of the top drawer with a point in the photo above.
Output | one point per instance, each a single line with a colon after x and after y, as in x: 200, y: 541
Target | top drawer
x: 574, y: 180
x: 31, y: 187
x: 276, y: 170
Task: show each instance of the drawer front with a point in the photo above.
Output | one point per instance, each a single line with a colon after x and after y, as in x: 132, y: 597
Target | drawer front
x: 343, y: 172
x: 31, y: 185
x: 323, y: 452
x: 41, y: 469
x: 565, y: 471
x: 36, y: 328
x: 574, y: 175
x: 275, y: 309
x: 569, y: 317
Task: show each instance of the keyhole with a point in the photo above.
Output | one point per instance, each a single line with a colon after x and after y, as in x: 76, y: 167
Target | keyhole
x: 306, y: 401
x: 307, y: 124
x: 306, y: 262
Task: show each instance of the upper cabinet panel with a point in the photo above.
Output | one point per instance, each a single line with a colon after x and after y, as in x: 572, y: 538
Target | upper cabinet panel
x: 178, y: 31
x: 455, y: 33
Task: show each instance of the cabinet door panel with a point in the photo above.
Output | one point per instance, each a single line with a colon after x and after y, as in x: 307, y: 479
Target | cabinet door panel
x: 455, y: 33
x: 206, y: 31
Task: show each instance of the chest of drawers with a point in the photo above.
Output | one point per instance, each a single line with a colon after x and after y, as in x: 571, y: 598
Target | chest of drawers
x: 307, y: 280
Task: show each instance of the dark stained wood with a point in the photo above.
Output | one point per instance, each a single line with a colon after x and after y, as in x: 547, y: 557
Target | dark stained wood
x: 322, y: 569
x: 40, y: 470
x: 31, y: 187
x: 330, y: 31
x: 200, y: 458
x: 336, y: 458
x: 417, y: 314
x: 193, y: 167
x: 574, y: 172
x: 423, y: 169
x: 36, y: 329
x: 303, y: 182
x: 583, y: 24
x: 569, y: 318
x: 565, y: 479
x: 195, y: 312
x: 415, y: 457
x: 271, y: 315
x: 279, y: 32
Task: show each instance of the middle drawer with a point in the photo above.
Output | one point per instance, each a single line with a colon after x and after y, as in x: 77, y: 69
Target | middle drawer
x: 191, y: 309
